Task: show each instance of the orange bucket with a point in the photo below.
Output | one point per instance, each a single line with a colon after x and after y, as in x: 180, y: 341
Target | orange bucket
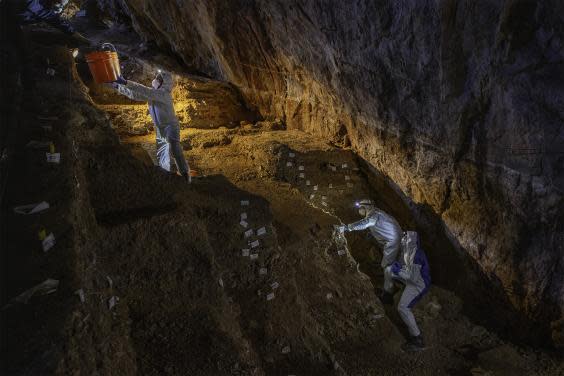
x: 104, y: 65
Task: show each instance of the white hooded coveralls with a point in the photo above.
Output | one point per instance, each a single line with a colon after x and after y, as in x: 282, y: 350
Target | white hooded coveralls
x: 162, y: 112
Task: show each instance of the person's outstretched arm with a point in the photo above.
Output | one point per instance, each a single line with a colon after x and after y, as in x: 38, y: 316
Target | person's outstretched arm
x: 362, y: 224
x: 141, y: 93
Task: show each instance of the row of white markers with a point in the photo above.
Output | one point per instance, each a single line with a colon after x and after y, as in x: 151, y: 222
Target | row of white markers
x: 316, y: 187
x: 252, y: 251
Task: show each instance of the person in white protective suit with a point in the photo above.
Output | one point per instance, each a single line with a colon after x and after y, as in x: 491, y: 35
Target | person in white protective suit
x: 383, y: 227
x: 161, y: 109
x: 411, y: 269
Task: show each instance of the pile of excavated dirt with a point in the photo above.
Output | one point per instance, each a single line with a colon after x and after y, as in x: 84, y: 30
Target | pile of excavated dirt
x: 173, y: 285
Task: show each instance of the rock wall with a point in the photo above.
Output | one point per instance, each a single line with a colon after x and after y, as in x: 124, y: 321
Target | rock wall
x: 459, y: 103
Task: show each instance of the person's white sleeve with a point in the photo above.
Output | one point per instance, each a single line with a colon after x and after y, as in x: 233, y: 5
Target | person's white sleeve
x: 362, y: 224
x: 141, y: 93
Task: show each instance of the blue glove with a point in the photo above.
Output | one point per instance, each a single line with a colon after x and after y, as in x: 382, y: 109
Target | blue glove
x: 396, y: 267
x: 120, y: 80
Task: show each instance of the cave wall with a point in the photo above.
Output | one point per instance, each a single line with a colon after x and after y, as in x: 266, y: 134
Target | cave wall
x: 459, y: 103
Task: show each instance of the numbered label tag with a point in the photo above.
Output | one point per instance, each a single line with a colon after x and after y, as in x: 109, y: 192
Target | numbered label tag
x: 53, y: 157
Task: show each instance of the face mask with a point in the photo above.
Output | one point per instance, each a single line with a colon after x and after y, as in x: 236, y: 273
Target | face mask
x: 156, y: 84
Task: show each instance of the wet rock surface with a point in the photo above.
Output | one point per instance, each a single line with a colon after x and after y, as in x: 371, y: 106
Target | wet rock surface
x: 458, y: 104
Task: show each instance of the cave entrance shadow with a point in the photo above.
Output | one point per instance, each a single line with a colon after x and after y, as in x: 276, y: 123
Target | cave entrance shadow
x: 484, y: 299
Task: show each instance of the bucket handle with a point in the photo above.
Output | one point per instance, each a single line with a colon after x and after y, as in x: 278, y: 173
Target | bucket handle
x: 110, y: 46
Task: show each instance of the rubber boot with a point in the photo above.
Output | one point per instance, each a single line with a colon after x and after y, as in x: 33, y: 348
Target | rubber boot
x: 187, y: 177
x: 414, y: 344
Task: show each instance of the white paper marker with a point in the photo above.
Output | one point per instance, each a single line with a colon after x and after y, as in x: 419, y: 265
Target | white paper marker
x: 347, y: 177
x: 344, y: 165
x: 245, y: 252
x: 244, y: 224
x: 263, y: 271
x: 243, y: 215
x: 254, y: 256
x: 112, y: 302
x: 301, y: 168
x: 244, y: 202
x: 302, y: 175
x: 255, y: 244
x: 291, y: 155
x: 261, y: 231
x: 270, y: 296
x: 31, y: 208
x: 308, y: 182
x: 315, y: 187
x: 53, y: 157
x: 249, y: 233
x: 81, y: 295
x: 48, y: 242
x: 330, y: 185
x: 341, y: 252
x: 274, y: 285
x: 289, y: 164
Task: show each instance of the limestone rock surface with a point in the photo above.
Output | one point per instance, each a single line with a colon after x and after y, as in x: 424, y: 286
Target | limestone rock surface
x: 459, y: 104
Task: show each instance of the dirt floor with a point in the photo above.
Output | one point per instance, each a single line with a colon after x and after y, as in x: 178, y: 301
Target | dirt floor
x: 172, y: 284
